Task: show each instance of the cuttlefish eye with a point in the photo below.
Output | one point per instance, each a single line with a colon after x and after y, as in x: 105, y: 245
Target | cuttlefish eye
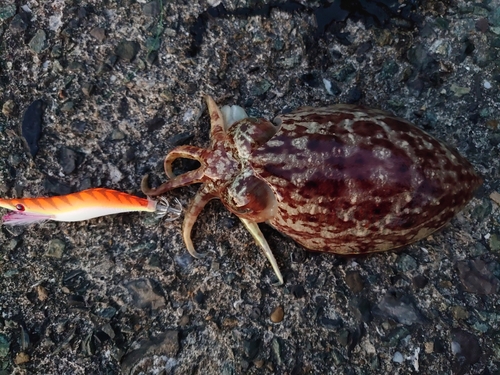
x: 19, y: 207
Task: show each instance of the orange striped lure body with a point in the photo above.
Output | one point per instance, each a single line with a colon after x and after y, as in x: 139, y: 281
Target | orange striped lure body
x: 84, y: 205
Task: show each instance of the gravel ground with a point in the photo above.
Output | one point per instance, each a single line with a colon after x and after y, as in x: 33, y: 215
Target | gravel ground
x: 121, y: 84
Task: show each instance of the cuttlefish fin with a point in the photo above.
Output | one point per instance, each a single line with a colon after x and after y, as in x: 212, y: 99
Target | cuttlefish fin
x: 259, y: 238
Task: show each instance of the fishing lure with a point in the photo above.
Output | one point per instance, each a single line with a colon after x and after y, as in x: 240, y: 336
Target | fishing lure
x: 342, y: 179
x: 84, y: 205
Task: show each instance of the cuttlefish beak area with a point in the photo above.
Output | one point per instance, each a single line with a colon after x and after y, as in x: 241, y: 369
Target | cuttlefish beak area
x: 219, y: 173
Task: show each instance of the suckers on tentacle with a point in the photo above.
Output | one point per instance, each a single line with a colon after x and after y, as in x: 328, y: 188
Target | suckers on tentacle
x: 341, y: 179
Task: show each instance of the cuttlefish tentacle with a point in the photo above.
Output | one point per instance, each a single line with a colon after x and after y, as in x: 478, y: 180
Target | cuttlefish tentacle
x: 201, y: 198
x: 191, y: 177
x: 217, y: 125
x: 185, y: 152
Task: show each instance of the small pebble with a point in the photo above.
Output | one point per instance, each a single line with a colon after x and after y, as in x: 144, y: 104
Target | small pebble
x: 146, y: 293
x: 151, y: 9
x: 68, y: 106
x: 55, y: 249
x: 259, y: 363
x: 277, y: 315
x: 495, y: 197
x: 127, y: 50
x: 55, y: 22
x: 42, y: 293
x: 455, y: 348
x: 170, y: 32
x: 18, y: 24
x: 117, y: 135
x: 67, y: 160
x: 230, y: 322
x: 459, y: 312
x: 7, y: 11
x: 87, y: 89
x: 8, y: 108
x: 12, y: 244
x: 482, y: 25
x: 4, y: 345
x: 398, y: 357
x: 429, y: 347
x: 76, y: 66
x: 476, y: 276
x: 487, y: 85
x: 37, y: 43
x: 99, y: 33
x: 459, y: 90
x: 354, y: 281
x: 56, y: 51
x: 328, y: 86
x: 494, y: 242
x: 21, y: 358
x: 184, y: 321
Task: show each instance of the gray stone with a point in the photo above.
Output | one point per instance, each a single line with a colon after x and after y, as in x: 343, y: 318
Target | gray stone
x: 344, y: 74
x: 476, y: 276
x: 483, y: 210
x: 419, y: 57
x: 459, y: 90
x: 389, y: 70
x: 146, y: 294
x: 55, y: 248
x: 37, y: 43
x: 127, y: 50
x: 117, y: 135
x: 4, y: 345
x: 400, y: 309
x: 151, y: 9
x: 9, y: 108
x: 354, y: 281
x: 87, y: 88
x: 166, y: 344
x: 98, y: 33
x: 7, y: 11
x: 276, y: 350
x: 56, y: 51
x: 67, y: 160
x: 153, y: 43
x: 67, y: 106
x: 251, y: 348
x: 494, y: 242
x: 260, y: 87
x: 406, y: 263
x: 469, y: 348
x: 395, y: 336
x: 76, y: 66
x: 18, y: 24
x: 494, y: 17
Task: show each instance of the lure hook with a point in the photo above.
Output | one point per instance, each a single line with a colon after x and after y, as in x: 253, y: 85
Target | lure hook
x: 163, y: 208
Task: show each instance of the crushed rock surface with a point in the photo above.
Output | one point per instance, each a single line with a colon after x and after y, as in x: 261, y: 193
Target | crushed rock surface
x: 122, y: 83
